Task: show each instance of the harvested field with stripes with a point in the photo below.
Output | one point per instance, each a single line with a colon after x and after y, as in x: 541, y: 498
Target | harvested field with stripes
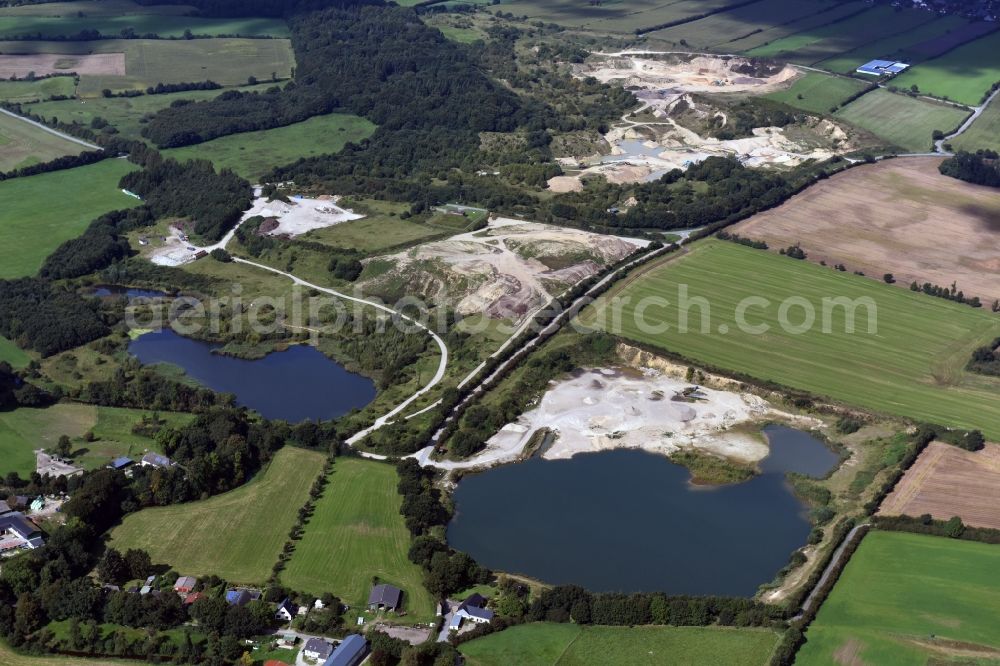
x: 948, y: 481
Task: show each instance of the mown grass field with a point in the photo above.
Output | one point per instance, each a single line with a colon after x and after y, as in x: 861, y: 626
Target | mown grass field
x: 877, y: 24
x: 904, y: 121
x: 23, y: 144
x: 829, y: 15
x: 964, y: 74
x: 22, y: 92
x: 24, y: 430
x: 253, y: 154
x: 41, y: 212
x: 984, y: 132
x: 226, y: 61
x: 93, y: 8
x: 818, y: 93
x: 547, y: 644
x: 126, y: 114
x: 51, y: 27
x: 237, y: 535
x: 913, y: 366
x: 909, y: 599
x: 355, y: 533
x: 622, y: 16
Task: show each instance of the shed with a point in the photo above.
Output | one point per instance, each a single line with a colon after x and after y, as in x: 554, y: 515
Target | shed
x: 385, y: 597
x: 121, y: 463
x: 350, y: 652
x: 185, y: 584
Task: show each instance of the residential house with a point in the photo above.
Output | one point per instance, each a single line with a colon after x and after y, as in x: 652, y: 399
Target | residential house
x: 385, y: 597
x: 4, y: 507
x: 285, y: 611
x: 16, y: 531
x: 351, y: 652
x: 317, y: 649
x: 472, y: 609
x: 185, y: 585
x: 152, y: 459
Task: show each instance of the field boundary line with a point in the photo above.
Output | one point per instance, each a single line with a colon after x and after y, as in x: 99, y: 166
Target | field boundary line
x: 57, y: 133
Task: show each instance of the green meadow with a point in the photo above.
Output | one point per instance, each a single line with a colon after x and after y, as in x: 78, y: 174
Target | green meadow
x: 963, y: 74
x: 227, y: 535
x: 906, y: 355
x: 904, y: 121
x: 984, y: 132
x: 41, y: 212
x: 910, y: 599
x: 548, y: 644
x: 23, y: 144
x: 355, y: 533
x: 818, y: 93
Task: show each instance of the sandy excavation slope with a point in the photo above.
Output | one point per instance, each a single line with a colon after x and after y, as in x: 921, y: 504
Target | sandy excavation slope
x: 899, y: 216
x: 506, y: 271
x: 650, y: 141
x: 948, y: 481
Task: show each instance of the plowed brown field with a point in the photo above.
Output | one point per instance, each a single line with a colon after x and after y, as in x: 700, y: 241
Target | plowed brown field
x: 948, y: 481
x: 899, y: 216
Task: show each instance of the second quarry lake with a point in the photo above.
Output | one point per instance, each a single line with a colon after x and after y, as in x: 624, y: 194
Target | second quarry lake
x: 295, y: 385
x: 630, y: 521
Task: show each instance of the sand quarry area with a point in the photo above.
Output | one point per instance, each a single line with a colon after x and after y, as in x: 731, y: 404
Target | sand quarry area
x: 506, y: 271
x: 94, y: 64
x: 898, y: 216
x: 287, y: 219
x: 929, y: 486
x: 663, y: 132
x: 650, y: 70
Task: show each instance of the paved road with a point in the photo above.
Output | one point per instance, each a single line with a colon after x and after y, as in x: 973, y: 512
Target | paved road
x: 61, y: 135
x: 976, y: 112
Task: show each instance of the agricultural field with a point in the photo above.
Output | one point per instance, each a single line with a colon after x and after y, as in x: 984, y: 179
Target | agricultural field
x: 716, y: 30
x: 905, y: 358
x: 929, y: 486
x: 984, y: 132
x: 885, y: 218
x: 356, y: 533
x: 23, y: 144
x: 625, y: 16
x: 24, y: 430
x: 135, y: 64
x: 910, y: 599
x: 818, y: 93
x: 904, y: 121
x: 23, y: 92
x: 33, y: 222
x: 831, y: 14
x: 93, y: 8
x: 547, y: 644
x: 225, y: 535
x: 125, y: 114
x: 964, y: 74
x: 51, y: 27
x: 253, y: 154
x: 381, y: 228
x: 873, y: 26
x: 896, y: 47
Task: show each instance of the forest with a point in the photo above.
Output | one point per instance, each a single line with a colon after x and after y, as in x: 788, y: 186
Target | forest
x: 980, y: 168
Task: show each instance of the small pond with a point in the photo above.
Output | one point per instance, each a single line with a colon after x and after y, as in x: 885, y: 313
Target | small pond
x: 295, y: 385
x: 631, y: 521
x: 128, y: 292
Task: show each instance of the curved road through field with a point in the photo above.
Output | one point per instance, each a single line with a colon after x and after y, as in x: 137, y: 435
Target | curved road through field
x: 438, y: 376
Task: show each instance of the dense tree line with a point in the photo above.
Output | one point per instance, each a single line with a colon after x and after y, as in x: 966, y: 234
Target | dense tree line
x: 215, y: 201
x: 952, y: 528
x: 742, y: 240
x: 57, y: 164
x: 15, y: 392
x: 980, y: 168
x: 985, y: 360
x: 952, y: 293
x: 102, y: 244
x: 39, y: 315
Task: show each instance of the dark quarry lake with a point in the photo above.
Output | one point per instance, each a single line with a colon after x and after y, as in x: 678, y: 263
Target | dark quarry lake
x: 630, y: 521
x: 295, y: 385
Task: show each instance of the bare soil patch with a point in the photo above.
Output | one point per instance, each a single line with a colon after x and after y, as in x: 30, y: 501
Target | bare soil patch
x: 100, y: 64
x: 899, y: 216
x: 948, y: 481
